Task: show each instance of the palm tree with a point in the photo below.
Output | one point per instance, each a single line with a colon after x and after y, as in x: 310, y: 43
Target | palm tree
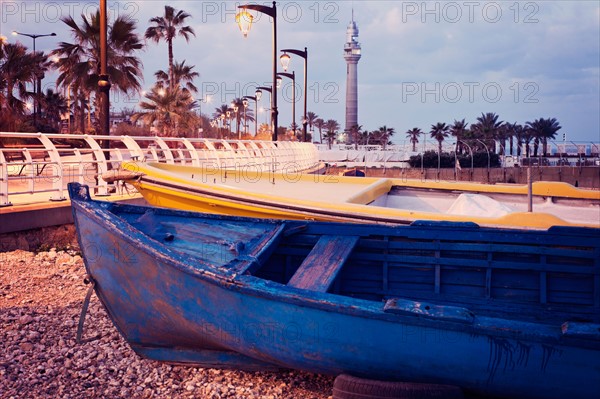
x: 518, y: 132
x: 439, y: 132
x: 2, y: 81
x: 510, y: 133
x: 221, y: 111
x: 166, y: 28
x: 365, y: 136
x: 551, y: 127
x: 311, y: 117
x: 487, y: 128
x: 222, y: 114
x: 458, y: 130
x: 248, y: 115
x: 320, y: 124
x: 528, y: 135
x: 383, y: 135
x: 165, y: 109
x: 413, y: 136
x: 181, y: 74
x: 354, y: 134
x: 79, y: 62
x: 536, y: 131
x: 55, y: 106
x: 542, y: 130
x: 332, y: 126
x: 17, y: 68
x: 237, y: 112
x: 74, y: 80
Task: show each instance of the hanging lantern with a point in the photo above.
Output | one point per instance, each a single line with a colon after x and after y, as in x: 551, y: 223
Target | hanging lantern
x: 285, y: 61
x: 244, y: 21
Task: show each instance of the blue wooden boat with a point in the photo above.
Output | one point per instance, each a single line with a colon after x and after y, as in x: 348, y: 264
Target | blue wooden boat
x: 502, y: 312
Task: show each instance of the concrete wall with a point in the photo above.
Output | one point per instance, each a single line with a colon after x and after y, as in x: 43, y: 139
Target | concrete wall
x: 587, y: 176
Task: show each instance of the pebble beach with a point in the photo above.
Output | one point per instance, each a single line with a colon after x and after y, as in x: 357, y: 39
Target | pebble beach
x: 41, y: 295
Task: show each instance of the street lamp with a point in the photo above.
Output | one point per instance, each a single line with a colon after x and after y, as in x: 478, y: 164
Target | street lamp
x: 37, y: 84
x: 256, y: 97
x: 236, y: 115
x: 293, y: 77
x: 244, y: 20
x: 103, y: 82
x: 471, y: 153
x: 285, y: 61
x: 259, y: 91
x: 228, y: 120
x: 206, y: 100
x: 222, y: 131
x: 245, y: 104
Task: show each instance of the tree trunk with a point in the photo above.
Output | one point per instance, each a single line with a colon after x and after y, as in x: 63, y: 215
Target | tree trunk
x: 171, y: 83
x: 81, y: 126
x: 545, y: 146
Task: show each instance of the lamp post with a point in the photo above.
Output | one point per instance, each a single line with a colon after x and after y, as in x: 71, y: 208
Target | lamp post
x: 236, y: 115
x: 471, y: 153
x: 503, y: 162
x: 222, y: 117
x: 103, y: 82
x: 293, y: 77
x: 37, y: 84
x: 258, y: 94
x: 255, y: 98
x: 206, y: 99
x: 285, y: 61
x: 245, y: 104
x: 244, y: 20
x: 422, y: 155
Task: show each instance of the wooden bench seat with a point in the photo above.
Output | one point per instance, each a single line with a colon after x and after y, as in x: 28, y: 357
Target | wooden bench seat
x: 20, y: 158
x: 319, y: 269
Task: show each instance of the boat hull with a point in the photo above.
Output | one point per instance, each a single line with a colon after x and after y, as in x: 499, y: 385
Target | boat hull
x: 169, y: 310
x: 315, y: 198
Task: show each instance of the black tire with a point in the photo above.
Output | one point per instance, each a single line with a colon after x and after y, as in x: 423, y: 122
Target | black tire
x: 348, y: 387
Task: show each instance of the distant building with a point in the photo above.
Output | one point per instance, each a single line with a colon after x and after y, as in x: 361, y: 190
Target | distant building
x: 351, y: 55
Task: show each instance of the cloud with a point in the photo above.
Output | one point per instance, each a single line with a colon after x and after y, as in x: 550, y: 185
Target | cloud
x: 547, y: 51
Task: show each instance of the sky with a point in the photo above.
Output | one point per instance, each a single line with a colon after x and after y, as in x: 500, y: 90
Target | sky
x: 422, y: 62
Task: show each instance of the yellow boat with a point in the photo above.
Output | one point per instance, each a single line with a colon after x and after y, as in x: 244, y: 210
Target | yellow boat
x: 249, y: 191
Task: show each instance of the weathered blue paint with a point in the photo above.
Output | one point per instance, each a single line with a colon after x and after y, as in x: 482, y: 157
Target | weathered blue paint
x: 502, y: 312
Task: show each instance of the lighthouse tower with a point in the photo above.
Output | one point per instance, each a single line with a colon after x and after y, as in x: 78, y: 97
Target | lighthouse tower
x: 351, y: 55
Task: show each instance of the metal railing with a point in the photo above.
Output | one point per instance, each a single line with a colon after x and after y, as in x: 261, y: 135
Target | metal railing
x: 49, y: 161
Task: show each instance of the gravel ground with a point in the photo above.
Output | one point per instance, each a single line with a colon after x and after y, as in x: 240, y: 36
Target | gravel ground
x: 40, y: 301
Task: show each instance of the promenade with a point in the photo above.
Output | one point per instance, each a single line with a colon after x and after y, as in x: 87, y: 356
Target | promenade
x: 33, y: 179
x: 34, y: 173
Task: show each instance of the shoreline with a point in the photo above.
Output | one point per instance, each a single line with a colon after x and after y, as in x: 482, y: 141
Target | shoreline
x: 40, y: 301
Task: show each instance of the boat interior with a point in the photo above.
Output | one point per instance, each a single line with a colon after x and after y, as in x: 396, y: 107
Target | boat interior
x: 487, y: 204
x: 431, y: 269
x: 450, y: 198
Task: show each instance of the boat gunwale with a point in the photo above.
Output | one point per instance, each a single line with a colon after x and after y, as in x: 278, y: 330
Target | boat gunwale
x: 540, y: 188
x: 356, y: 212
